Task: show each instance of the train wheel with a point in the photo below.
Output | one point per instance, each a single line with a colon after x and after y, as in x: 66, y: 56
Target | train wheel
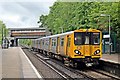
x: 62, y: 60
x: 47, y: 54
x: 38, y: 51
x: 52, y: 55
x: 44, y: 53
x: 73, y: 64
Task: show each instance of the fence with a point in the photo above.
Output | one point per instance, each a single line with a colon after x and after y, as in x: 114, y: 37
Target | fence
x: 118, y: 46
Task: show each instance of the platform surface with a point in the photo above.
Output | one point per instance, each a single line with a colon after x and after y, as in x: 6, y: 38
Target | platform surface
x: 114, y: 58
x: 0, y: 63
x: 15, y: 64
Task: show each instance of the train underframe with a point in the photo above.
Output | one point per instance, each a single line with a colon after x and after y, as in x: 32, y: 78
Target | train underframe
x: 72, y: 62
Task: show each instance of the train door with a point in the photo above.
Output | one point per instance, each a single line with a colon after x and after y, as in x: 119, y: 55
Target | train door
x: 37, y: 44
x: 58, y: 45
x: 68, y: 46
x: 87, y: 47
x: 50, y: 45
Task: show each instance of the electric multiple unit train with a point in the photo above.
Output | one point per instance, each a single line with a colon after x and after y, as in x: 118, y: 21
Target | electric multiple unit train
x: 74, y: 47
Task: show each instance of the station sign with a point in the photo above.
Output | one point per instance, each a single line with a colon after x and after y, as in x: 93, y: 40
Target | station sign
x: 106, y: 36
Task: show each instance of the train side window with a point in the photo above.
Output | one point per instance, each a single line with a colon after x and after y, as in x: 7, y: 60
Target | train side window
x: 62, y: 41
x: 43, y: 42
x: 69, y: 40
x: 39, y: 42
x: 53, y: 42
x: 46, y: 42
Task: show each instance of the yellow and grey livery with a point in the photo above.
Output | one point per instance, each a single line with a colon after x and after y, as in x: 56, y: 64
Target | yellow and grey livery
x: 79, y: 46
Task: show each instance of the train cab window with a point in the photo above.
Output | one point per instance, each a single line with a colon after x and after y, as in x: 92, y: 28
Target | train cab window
x: 82, y: 38
x: 62, y: 41
x: 96, y: 38
x: 77, y: 38
x: 87, y: 40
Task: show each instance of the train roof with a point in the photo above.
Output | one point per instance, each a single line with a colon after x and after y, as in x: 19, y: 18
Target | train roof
x: 51, y: 36
x: 89, y: 30
x: 66, y: 33
x: 63, y: 34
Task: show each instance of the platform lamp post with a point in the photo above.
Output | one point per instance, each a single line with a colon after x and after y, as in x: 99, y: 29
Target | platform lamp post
x: 109, y: 31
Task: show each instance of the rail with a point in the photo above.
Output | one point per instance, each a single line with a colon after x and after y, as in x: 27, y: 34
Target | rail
x: 91, y: 74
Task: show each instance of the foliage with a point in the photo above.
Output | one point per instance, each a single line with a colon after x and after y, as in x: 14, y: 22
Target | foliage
x: 3, y: 30
x: 69, y: 16
x: 26, y: 42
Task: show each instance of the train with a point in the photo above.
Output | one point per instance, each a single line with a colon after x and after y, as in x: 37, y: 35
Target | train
x: 82, y: 46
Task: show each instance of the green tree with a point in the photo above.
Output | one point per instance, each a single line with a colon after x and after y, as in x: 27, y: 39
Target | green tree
x: 67, y: 16
x: 3, y: 31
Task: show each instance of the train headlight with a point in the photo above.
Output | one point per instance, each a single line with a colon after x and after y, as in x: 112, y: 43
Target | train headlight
x: 77, y: 52
x: 97, y: 52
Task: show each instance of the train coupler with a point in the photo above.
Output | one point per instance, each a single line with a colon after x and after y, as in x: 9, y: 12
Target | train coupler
x: 89, y: 64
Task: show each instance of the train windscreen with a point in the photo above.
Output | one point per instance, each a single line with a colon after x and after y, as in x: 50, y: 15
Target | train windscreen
x: 84, y: 38
x: 95, y: 38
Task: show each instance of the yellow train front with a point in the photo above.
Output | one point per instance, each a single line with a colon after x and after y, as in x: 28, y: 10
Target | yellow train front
x: 85, y: 46
x: 74, y: 47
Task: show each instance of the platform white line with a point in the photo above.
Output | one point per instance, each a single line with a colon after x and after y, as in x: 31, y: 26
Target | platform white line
x: 110, y: 61
x: 35, y: 70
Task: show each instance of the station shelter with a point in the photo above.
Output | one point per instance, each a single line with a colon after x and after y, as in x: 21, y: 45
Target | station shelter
x: 106, y: 46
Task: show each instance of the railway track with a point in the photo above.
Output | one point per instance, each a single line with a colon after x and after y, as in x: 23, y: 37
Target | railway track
x: 70, y: 73
x: 60, y: 73
x: 90, y: 73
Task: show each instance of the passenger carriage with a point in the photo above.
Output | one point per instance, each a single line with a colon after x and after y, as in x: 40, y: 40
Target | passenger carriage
x: 79, y: 46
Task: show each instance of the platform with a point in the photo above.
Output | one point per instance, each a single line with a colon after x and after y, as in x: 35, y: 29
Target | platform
x: 113, y: 58
x: 15, y: 64
x: 0, y: 63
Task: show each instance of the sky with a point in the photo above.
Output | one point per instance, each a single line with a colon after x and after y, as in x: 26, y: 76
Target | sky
x: 23, y: 13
